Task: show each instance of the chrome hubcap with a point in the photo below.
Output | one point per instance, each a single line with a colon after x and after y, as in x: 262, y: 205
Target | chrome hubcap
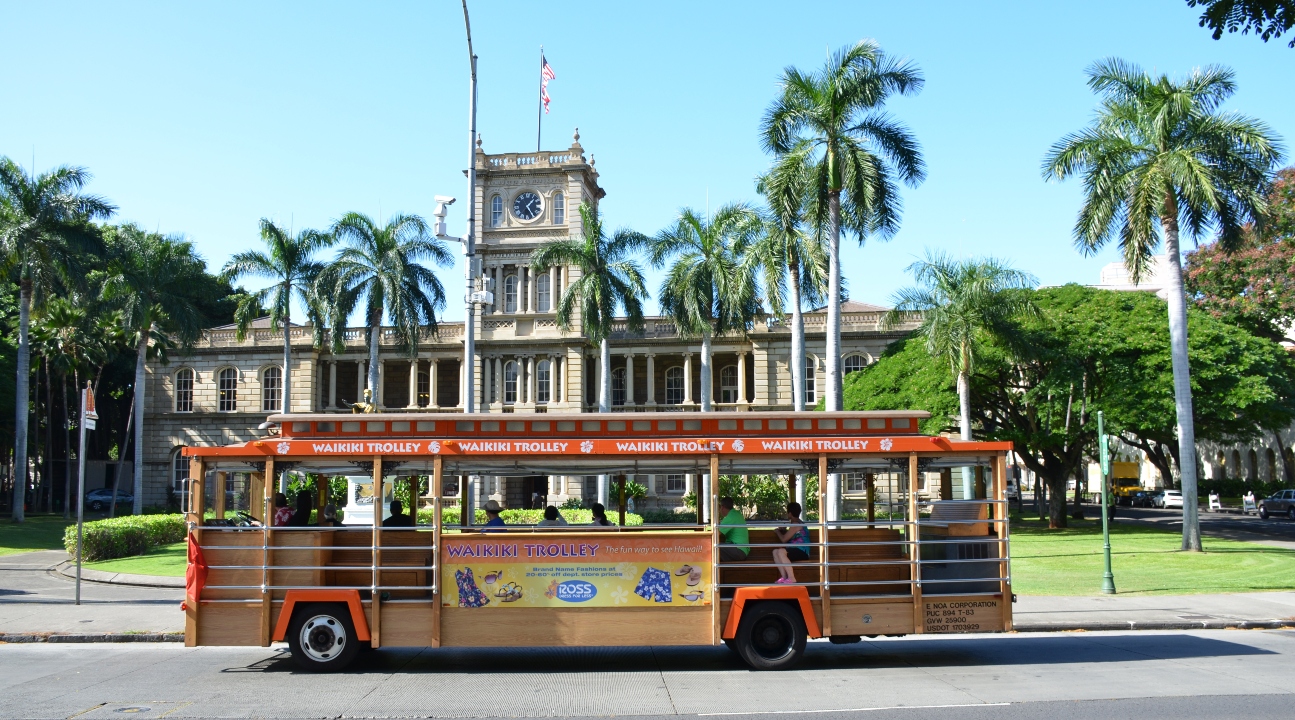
x: 322, y: 638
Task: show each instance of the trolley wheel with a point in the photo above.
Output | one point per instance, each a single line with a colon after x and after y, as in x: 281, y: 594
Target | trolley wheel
x: 322, y: 637
x: 771, y: 636
x: 731, y: 644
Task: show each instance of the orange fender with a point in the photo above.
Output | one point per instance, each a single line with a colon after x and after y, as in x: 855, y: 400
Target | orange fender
x: 773, y: 592
x: 350, y: 597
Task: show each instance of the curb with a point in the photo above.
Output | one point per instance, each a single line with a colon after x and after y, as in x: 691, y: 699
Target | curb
x: 67, y: 569
x: 90, y: 637
x: 1134, y: 625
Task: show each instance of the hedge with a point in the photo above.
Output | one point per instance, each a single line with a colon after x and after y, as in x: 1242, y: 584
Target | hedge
x: 450, y: 516
x: 125, y: 536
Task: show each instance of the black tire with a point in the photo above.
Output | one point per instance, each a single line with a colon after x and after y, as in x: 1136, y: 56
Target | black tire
x: 1291, y: 513
x: 96, y: 505
x: 731, y: 645
x: 322, y: 637
x: 771, y: 636
x: 1263, y: 512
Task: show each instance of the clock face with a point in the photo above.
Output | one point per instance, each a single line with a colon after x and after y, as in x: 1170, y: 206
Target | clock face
x: 527, y: 206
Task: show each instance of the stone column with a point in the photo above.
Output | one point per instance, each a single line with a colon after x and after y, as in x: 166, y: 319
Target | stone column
x: 741, y: 378
x: 431, y: 383
x: 413, y: 383
x: 687, y: 379
x: 553, y: 381
x: 360, y: 379
x: 629, y: 379
x: 498, y: 380
x: 651, y: 379
x: 530, y: 380
x: 332, y: 385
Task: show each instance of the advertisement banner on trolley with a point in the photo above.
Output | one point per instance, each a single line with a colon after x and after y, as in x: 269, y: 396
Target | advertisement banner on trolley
x: 485, y: 571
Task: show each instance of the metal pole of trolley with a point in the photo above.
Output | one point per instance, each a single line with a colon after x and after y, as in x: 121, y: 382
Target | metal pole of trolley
x: 88, y: 418
x: 1104, y: 451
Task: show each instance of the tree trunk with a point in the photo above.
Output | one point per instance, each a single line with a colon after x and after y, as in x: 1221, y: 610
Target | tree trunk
x: 287, y: 359
x: 67, y: 442
x: 797, y: 341
x: 706, y: 380
x: 1057, y: 501
x: 140, y: 359
x: 47, y: 475
x: 1182, y: 379
x: 21, y: 402
x: 604, y: 377
x: 964, y: 420
x: 832, y: 394
x: 121, y: 460
x: 375, y: 337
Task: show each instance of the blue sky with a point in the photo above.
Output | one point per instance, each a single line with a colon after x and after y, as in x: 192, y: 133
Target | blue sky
x: 202, y: 118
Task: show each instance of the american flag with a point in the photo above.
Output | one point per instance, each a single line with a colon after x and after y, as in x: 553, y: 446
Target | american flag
x: 546, y: 74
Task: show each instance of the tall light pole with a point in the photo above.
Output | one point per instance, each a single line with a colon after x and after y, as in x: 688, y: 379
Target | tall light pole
x: 469, y: 238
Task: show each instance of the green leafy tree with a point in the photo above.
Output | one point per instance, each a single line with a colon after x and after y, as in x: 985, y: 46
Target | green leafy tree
x: 708, y: 290
x: 64, y: 335
x: 963, y: 305
x: 831, y: 126
x: 289, y: 263
x: 379, y: 270
x: 1160, y: 158
x: 609, y: 279
x: 151, y: 279
x: 1265, y: 18
x: 44, y: 233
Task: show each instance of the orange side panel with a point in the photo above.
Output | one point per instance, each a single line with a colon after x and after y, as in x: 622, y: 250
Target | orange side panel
x: 350, y: 597
x: 772, y: 592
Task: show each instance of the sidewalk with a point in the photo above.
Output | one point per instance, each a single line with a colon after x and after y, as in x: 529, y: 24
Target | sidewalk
x: 1044, y: 613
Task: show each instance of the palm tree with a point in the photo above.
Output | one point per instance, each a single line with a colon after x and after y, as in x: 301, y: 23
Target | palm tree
x: 63, y: 334
x: 791, y: 261
x: 291, y: 265
x: 1161, y: 157
x: 379, y: 267
x: 43, y: 231
x: 708, y: 289
x: 964, y: 304
x: 831, y: 126
x: 152, y: 279
x: 609, y: 279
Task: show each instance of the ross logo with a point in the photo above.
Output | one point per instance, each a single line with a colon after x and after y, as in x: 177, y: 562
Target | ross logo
x: 434, y: 447
x: 576, y: 591
x: 282, y: 448
x: 587, y: 446
x: 887, y: 444
x: 738, y: 445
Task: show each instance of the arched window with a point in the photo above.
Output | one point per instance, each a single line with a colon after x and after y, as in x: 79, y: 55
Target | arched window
x: 1270, y: 469
x: 227, y: 389
x: 184, y: 390
x: 543, y: 292
x: 559, y: 209
x: 810, y: 384
x: 1252, y: 472
x: 496, y: 211
x: 179, y: 469
x: 510, y: 293
x: 510, y: 382
x: 543, y: 380
x: 272, y: 389
x: 618, y: 386
x: 854, y: 363
x: 1237, y: 470
x: 728, y: 384
x: 674, y: 386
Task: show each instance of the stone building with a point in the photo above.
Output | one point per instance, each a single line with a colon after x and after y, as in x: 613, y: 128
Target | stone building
x: 525, y: 362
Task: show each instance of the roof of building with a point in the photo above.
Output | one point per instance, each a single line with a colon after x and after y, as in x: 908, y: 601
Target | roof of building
x: 257, y: 324
x: 854, y: 306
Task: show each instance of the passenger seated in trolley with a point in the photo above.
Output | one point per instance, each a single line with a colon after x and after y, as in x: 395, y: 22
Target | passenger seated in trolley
x: 796, y: 535
x: 398, y: 517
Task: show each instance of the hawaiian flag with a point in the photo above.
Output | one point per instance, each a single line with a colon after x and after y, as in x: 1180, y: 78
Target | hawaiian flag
x: 546, y: 74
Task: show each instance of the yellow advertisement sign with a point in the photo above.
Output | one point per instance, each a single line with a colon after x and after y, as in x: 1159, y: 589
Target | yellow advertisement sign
x: 575, y: 570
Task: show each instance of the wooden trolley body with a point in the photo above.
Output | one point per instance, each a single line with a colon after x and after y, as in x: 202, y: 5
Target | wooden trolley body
x: 938, y: 567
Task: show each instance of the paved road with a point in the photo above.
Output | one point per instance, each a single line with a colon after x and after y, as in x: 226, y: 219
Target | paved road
x: 34, y: 599
x: 1275, y: 531
x: 951, y: 676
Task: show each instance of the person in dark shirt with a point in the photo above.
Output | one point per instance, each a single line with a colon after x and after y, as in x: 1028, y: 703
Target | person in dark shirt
x: 301, y: 516
x: 398, y: 517
x: 494, y: 523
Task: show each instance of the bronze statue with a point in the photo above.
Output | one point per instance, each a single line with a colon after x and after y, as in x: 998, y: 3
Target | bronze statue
x: 368, y: 406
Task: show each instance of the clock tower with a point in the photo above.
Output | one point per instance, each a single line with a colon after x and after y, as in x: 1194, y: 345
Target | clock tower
x: 523, y: 201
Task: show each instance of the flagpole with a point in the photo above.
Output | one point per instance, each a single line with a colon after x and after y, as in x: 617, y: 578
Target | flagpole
x: 539, y: 108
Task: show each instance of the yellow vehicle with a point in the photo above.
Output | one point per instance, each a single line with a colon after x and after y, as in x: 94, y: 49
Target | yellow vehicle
x: 1125, y: 479
x: 941, y: 567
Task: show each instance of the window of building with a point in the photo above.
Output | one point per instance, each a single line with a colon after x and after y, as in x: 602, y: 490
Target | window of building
x: 543, y: 380
x: 179, y: 470
x: 496, y: 211
x: 618, y: 386
x: 510, y: 293
x: 674, y: 386
x: 510, y: 382
x: 675, y: 484
x: 559, y: 209
x: 810, y: 384
x: 543, y: 292
x: 272, y: 389
x: 728, y: 384
x: 424, y: 387
x: 855, y: 483
x: 227, y: 388
x: 854, y: 363
x: 184, y: 390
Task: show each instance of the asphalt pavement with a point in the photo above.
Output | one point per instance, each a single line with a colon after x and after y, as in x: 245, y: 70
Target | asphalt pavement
x: 1064, y: 675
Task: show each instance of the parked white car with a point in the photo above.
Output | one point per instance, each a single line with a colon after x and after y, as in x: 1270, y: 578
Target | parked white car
x: 1169, y: 499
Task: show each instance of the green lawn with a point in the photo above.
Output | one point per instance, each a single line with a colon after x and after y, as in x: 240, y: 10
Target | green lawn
x: 38, y: 532
x: 1145, y: 561
x: 169, y: 560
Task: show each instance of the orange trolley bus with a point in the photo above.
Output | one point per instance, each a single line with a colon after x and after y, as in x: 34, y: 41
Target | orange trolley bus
x: 923, y: 566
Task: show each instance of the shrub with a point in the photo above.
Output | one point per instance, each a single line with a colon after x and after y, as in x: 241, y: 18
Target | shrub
x: 125, y: 536
x: 1235, y: 488
x: 450, y: 516
x: 666, y: 516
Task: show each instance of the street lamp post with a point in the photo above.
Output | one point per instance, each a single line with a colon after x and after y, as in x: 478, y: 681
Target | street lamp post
x: 1104, y: 453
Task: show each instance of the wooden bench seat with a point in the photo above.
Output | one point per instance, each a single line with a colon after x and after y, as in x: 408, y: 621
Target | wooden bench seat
x: 349, y: 561
x: 939, y: 525
x: 847, y: 579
